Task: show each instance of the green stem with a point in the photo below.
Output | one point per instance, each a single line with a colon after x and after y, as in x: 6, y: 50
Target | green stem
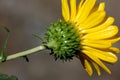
x: 24, y: 53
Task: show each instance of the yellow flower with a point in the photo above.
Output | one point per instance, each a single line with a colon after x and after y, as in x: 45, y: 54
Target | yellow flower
x: 97, y: 33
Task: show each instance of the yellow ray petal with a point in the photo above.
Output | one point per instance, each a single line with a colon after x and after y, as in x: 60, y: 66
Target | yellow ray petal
x: 73, y: 9
x: 96, y: 60
x: 88, y: 68
x: 97, y: 68
x: 93, y: 20
x: 84, y: 11
x: 98, y: 7
x: 109, y: 21
x: 80, y: 4
x: 65, y: 10
x: 101, y: 6
x: 84, y: 60
x: 114, y: 49
x: 97, y: 44
x: 113, y: 39
x: 103, y: 55
x: 106, y: 42
x: 103, y: 34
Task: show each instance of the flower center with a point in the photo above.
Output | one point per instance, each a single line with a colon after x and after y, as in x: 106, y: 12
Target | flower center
x: 63, y: 40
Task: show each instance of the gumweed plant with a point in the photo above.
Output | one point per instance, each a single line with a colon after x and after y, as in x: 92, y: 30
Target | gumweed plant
x: 85, y: 32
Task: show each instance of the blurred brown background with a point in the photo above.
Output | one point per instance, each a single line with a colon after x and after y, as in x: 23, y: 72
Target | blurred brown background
x: 25, y: 17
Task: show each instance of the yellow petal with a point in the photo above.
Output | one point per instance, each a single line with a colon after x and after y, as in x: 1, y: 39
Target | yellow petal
x: 103, y: 34
x: 65, y: 10
x: 109, y: 21
x: 113, y: 39
x: 85, y: 9
x: 101, y: 6
x: 98, y: 7
x: 88, y: 68
x: 103, y: 55
x: 97, y: 44
x: 96, y: 60
x: 97, y: 68
x: 104, y: 42
x: 80, y: 5
x: 93, y: 20
x: 73, y: 9
x: 114, y: 49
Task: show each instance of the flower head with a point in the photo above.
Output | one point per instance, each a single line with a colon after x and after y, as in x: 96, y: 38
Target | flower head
x: 87, y: 33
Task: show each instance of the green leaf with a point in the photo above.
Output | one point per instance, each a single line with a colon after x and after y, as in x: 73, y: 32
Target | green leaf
x: 6, y: 77
x: 3, y: 52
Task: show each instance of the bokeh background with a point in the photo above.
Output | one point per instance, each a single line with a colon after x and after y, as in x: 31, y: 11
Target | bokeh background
x: 26, y: 17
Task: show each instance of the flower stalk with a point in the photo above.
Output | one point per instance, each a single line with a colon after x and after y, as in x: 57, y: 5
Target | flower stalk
x: 26, y: 52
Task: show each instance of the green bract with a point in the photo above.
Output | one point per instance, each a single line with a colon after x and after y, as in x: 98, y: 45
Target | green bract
x: 63, y: 40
